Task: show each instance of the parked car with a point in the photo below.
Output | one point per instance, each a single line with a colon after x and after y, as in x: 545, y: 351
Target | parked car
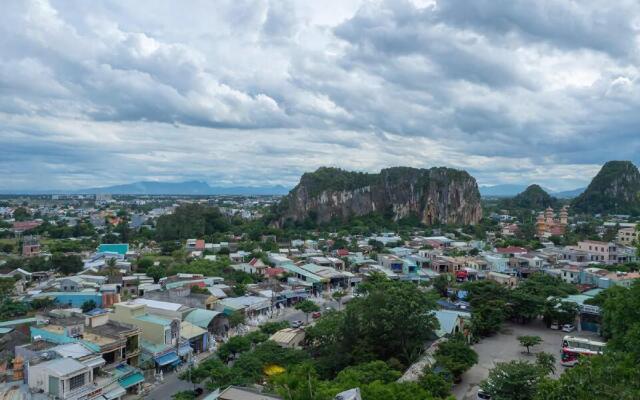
x: 568, y: 328
x: 555, y: 326
x: 316, y: 315
x: 297, y: 324
x: 482, y: 395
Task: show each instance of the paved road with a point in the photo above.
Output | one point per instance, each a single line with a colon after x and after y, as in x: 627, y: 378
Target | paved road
x: 291, y: 314
x: 171, y: 385
x: 505, y: 347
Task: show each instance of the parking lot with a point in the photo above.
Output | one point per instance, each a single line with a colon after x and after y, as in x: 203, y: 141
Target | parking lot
x: 504, y: 346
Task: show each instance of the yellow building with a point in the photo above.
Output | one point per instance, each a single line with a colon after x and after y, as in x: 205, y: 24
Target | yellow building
x: 154, y: 329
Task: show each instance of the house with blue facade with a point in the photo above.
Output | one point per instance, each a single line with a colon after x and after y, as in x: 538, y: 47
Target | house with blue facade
x: 115, y: 248
x: 71, y: 299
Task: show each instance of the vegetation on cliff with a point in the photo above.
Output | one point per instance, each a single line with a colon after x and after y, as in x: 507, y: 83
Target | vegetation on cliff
x: 430, y: 196
x: 614, y: 190
x: 335, y: 179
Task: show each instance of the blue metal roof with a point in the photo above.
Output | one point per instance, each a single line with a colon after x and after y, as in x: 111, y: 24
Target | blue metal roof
x: 120, y: 248
x: 154, y: 319
x: 167, y: 359
x: 185, y: 349
x: 201, y: 317
x: 131, y: 380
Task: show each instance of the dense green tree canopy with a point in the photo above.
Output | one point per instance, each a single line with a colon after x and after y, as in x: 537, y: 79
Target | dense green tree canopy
x: 191, y: 221
x: 514, y: 380
x: 456, y: 356
x: 67, y: 264
x: 613, y: 376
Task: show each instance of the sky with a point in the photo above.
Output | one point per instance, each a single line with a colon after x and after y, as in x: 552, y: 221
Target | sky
x: 243, y: 92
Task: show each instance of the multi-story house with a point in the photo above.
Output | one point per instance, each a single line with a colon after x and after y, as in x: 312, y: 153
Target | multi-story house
x: 627, y: 236
x: 160, y: 336
x: 603, y: 252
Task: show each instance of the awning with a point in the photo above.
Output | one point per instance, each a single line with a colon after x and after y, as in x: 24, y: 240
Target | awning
x: 167, y: 358
x: 184, y: 350
x: 131, y: 380
x: 115, y: 393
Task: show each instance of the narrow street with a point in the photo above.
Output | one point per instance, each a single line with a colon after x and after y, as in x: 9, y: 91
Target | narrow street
x: 173, y: 384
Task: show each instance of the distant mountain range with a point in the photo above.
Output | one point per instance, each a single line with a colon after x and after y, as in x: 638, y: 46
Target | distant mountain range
x: 203, y: 188
x: 167, y: 188
x: 511, y: 190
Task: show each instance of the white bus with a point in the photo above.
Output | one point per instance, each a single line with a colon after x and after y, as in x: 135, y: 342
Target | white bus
x: 575, y: 347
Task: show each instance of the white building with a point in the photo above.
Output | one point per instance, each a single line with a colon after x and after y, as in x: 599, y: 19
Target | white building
x: 64, y: 378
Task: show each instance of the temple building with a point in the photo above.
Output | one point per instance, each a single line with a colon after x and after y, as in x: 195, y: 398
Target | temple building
x: 548, y: 225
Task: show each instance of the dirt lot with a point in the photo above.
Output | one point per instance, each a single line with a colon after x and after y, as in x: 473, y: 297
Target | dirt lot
x: 505, y: 347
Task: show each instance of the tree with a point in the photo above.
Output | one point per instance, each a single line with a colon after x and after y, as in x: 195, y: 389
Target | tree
x: 88, y: 306
x: 325, y: 343
x: 438, y: 384
x: 545, y: 286
x: 11, y: 309
x: 42, y: 303
x: 441, y: 284
x: 144, y: 264
x: 307, y: 307
x: 560, y: 311
x: 239, y: 289
x: 236, y: 318
x: 547, y: 362
x: 112, y: 262
x: 7, y: 285
x: 184, y: 395
x: 367, y: 373
x: 529, y: 341
x: 169, y: 246
x: 21, y: 214
x: 514, y: 380
x: 156, y: 272
x: 337, y: 296
x: 235, y: 345
x: 487, y: 319
x: 456, y: 356
x: 270, y: 328
x: 372, y: 322
x: 189, y: 221
x: 67, y: 264
x: 524, y: 306
x: 612, y: 376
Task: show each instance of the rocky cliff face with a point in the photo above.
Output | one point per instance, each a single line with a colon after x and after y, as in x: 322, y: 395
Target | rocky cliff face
x: 436, y: 195
x: 615, y: 190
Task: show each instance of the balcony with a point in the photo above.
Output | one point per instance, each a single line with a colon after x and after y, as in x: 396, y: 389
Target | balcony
x: 86, y: 392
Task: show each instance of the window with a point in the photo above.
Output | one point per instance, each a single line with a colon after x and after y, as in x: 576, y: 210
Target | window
x: 76, y: 381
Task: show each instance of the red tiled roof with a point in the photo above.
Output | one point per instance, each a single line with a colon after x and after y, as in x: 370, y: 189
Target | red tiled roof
x: 271, y: 272
x: 511, y: 250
